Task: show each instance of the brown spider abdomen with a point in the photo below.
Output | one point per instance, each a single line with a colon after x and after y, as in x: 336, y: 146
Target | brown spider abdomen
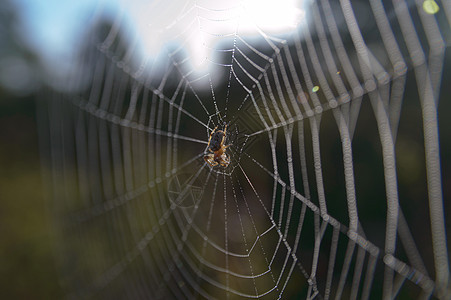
x: 216, y: 141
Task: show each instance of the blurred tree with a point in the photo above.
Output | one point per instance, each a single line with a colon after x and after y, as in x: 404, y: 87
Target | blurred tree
x: 19, y: 65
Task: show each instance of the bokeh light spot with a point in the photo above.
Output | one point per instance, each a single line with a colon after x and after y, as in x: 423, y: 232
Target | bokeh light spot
x: 430, y: 7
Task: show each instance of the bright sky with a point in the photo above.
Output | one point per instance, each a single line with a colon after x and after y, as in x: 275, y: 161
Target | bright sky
x: 54, y: 27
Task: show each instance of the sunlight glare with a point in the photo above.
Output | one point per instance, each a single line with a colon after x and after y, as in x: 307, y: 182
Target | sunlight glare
x: 197, y: 27
x: 273, y: 17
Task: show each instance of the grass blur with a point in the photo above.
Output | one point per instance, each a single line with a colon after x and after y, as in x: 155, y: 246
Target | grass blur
x: 27, y: 269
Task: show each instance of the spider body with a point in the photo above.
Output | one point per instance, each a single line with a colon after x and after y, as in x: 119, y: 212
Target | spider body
x: 217, y: 148
x: 216, y: 140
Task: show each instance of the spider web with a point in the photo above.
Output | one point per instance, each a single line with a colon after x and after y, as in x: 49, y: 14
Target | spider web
x: 334, y: 189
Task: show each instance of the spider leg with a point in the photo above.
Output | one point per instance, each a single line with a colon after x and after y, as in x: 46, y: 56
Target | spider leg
x: 212, y: 163
x: 213, y: 131
x: 225, y: 160
x: 209, y: 159
x: 224, y: 136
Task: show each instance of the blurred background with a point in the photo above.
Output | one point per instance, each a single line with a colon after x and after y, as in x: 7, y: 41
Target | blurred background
x: 39, y: 40
x: 27, y: 265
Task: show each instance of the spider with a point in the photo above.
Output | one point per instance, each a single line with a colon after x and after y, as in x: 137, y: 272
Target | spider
x: 217, y: 148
